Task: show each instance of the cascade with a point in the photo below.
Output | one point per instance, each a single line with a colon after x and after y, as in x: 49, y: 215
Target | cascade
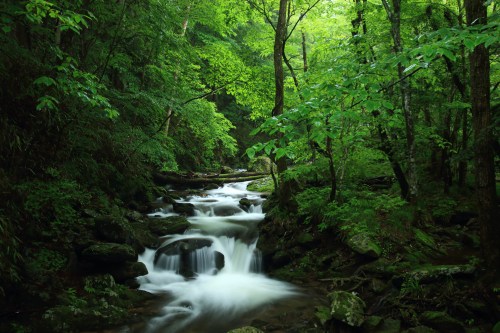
x: 214, y: 278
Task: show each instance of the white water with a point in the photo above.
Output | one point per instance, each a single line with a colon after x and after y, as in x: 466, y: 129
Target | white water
x: 217, y: 298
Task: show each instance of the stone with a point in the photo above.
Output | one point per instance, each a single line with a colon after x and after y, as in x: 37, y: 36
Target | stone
x: 363, y: 244
x: 420, y: 329
x: 226, y: 169
x: 186, y: 209
x: 441, y: 321
x: 245, y: 203
x: 347, y: 308
x: 372, y: 323
x: 127, y: 271
x: 305, y: 239
x: 168, y: 225
x: 389, y: 325
x: 114, y: 229
x: 260, y: 164
x: 246, y: 329
x: 429, y: 273
x: 109, y: 253
x: 211, y: 186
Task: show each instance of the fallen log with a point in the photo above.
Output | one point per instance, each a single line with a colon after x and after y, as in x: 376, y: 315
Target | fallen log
x: 171, y: 178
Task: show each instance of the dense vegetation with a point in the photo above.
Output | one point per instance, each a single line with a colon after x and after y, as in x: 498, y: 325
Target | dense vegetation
x: 381, y: 117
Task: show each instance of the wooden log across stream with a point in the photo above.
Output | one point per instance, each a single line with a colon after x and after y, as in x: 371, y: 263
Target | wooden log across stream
x: 198, y: 179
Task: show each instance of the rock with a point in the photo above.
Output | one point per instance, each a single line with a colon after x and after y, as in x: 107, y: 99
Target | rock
x: 128, y: 270
x: 168, y: 225
x: 389, y: 325
x: 363, y: 244
x: 281, y: 258
x: 347, y: 308
x: 113, y: 229
x: 186, y: 209
x: 133, y: 216
x: 305, y: 239
x: 372, y: 323
x: 441, y: 321
x: 226, y: 169
x: 109, y: 253
x: 100, y: 282
x: 211, y: 186
x: 246, y: 329
x: 429, y: 273
x: 420, y: 329
x: 245, y: 203
x: 260, y: 164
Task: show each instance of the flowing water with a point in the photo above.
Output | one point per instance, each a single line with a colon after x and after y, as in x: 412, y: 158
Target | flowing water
x: 211, y: 275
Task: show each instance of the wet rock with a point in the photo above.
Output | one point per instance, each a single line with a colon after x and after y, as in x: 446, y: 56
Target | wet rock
x: 109, y: 253
x: 441, y: 321
x: 226, y: 169
x: 211, y: 186
x: 260, y: 164
x: 246, y: 329
x: 347, y: 308
x: 186, y: 209
x: 245, y: 203
x: 168, y: 225
x: 431, y: 273
x: 128, y: 271
x: 420, y: 329
x: 114, y: 229
x: 365, y: 245
x: 281, y: 258
x: 389, y: 325
x: 372, y: 323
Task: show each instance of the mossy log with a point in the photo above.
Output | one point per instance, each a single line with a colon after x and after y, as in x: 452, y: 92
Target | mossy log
x: 194, y: 179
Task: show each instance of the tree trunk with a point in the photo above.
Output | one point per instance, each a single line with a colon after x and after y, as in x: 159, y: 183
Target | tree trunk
x: 395, y: 19
x: 483, y: 142
x: 176, y: 74
x: 284, y: 192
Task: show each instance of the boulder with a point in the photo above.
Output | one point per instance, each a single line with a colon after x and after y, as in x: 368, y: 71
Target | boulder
x: 109, y: 253
x: 226, y: 169
x: 186, y: 209
x: 128, y: 270
x: 429, y: 273
x: 441, y: 321
x: 260, y: 164
x: 168, y: 225
x: 211, y: 186
x: 420, y: 329
x: 363, y: 244
x: 114, y: 229
x: 347, y: 308
x: 246, y: 329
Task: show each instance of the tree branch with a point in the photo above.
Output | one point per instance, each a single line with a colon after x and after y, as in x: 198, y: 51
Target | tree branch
x: 300, y: 19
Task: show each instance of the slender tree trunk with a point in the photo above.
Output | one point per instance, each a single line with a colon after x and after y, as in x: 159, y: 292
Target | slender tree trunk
x: 394, y: 16
x: 284, y: 192
x: 483, y: 142
x: 176, y: 74
x: 331, y: 165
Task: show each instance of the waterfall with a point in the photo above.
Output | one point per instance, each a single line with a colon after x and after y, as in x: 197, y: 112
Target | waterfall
x: 220, y: 254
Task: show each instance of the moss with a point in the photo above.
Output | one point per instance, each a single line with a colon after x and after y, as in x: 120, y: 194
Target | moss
x: 262, y: 185
x: 347, y: 308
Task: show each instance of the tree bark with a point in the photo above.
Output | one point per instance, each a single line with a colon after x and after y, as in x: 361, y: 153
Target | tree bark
x: 483, y: 142
x: 284, y: 192
x: 394, y: 16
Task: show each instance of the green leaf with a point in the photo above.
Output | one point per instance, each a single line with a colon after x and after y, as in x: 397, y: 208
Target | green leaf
x: 250, y: 152
x: 45, y: 80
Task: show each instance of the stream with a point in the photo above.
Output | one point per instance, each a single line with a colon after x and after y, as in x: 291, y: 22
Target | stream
x: 211, y: 276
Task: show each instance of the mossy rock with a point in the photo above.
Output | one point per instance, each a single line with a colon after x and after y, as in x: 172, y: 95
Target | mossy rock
x: 429, y: 273
x: 260, y: 164
x: 420, y: 329
x: 109, y: 253
x: 185, y: 209
x: 441, y: 321
x: 226, y: 169
x: 246, y: 329
x: 115, y: 229
x: 168, y: 225
x: 347, y: 308
x: 364, y: 244
x: 127, y: 271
